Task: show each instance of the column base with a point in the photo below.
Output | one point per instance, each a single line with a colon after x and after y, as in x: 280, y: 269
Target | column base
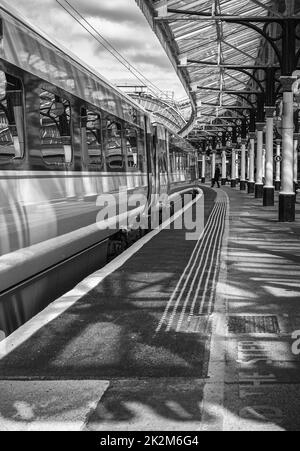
x: 233, y: 183
x: 277, y: 186
x: 223, y: 182
x: 251, y: 187
x: 259, y: 191
x: 287, y: 208
x: 269, y: 196
x: 243, y: 185
x: 203, y: 180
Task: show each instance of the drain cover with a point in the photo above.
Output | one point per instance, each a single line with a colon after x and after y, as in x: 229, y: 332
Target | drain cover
x: 253, y: 325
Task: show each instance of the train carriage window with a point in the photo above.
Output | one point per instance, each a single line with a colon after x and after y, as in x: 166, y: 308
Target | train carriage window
x: 56, y: 141
x: 142, y: 151
x: 114, y: 149
x: 161, y: 150
x: 131, y: 137
x: 163, y: 164
x: 162, y: 159
x: 91, y: 124
x: 179, y: 162
x: 173, y: 161
x: 12, y: 136
x: 185, y: 162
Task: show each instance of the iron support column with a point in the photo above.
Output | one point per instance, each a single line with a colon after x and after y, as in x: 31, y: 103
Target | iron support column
x: 259, y: 186
x: 248, y: 165
x: 237, y: 167
x: 278, y: 166
x: 269, y: 190
x: 213, y: 165
x: 224, y: 167
x: 243, y: 167
x: 296, y: 143
x: 264, y: 163
x: 251, y: 183
x: 203, y: 175
x: 287, y: 198
x: 233, y: 169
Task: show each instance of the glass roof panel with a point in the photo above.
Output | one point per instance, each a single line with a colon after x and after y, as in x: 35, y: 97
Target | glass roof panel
x: 210, y: 45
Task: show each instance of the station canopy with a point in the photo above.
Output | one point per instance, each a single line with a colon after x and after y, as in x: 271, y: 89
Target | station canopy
x: 207, y: 45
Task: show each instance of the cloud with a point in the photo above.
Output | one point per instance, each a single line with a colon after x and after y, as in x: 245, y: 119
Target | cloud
x: 117, y: 11
x: 121, y: 22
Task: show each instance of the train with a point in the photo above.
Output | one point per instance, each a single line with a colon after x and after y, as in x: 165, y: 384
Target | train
x: 67, y: 136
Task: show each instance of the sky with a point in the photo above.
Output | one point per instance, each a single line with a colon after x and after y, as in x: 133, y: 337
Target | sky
x: 122, y: 23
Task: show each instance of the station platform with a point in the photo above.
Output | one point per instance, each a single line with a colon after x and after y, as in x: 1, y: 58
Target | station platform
x: 172, y: 335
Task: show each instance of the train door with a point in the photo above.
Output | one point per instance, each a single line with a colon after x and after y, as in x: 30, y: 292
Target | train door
x: 169, y: 163
x: 193, y: 162
x: 155, y: 156
x: 162, y: 156
x: 149, y: 156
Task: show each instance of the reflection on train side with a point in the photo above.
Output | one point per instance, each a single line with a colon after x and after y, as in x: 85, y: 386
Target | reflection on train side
x: 64, y: 144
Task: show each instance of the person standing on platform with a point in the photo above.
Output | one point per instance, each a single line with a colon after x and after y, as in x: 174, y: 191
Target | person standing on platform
x: 217, y: 177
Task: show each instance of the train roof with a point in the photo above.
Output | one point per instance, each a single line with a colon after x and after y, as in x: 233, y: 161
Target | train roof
x: 30, y: 49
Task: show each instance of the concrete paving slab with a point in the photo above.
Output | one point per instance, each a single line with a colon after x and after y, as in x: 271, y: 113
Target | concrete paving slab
x: 244, y: 348
x: 150, y: 405
x: 262, y: 371
x: 48, y: 406
x: 91, y: 344
x: 263, y: 408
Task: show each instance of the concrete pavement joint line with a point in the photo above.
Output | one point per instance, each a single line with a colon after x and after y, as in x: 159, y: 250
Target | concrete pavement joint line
x: 198, y: 266
x: 58, y: 307
x: 192, y: 260
x: 48, y: 405
x: 214, y: 391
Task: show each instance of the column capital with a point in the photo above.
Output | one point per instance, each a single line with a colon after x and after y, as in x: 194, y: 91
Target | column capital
x: 296, y: 136
x: 278, y: 141
x: 260, y: 126
x: 252, y: 135
x: 270, y: 110
x: 287, y: 83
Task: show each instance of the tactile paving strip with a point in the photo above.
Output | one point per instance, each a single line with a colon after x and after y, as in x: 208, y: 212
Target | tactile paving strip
x: 253, y: 325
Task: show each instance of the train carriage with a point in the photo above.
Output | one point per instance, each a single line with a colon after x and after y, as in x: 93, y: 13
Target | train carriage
x: 67, y: 136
